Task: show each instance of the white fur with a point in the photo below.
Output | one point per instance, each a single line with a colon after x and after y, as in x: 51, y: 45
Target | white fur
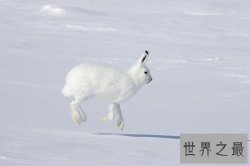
x: 115, y: 85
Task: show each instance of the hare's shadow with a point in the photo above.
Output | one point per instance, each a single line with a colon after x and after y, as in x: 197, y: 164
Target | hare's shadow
x: 142, y: 135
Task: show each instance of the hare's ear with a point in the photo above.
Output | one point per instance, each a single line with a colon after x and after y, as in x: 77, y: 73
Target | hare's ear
x: 144, y: 59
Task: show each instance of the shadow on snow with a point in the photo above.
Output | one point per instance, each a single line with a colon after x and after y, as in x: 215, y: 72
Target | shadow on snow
x: 142, y: 135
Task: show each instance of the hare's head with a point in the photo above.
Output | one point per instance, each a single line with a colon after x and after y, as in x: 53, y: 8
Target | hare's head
x: 140, y: 72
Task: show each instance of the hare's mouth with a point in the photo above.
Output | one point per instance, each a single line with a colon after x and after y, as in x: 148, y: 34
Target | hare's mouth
x: 150, y: 79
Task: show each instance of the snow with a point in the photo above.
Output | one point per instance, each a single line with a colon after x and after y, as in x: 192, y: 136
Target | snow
x: 52, y: 10
x: 199, y: 60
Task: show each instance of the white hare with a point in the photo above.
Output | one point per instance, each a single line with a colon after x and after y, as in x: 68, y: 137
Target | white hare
x: 115, y: 85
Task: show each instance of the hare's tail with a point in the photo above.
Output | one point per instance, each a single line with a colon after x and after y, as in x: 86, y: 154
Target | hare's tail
x: 66, y: 92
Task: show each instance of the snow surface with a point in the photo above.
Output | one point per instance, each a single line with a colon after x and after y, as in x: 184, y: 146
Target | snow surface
x: 199, y: 60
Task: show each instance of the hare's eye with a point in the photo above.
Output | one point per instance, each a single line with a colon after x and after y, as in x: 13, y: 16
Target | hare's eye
x: 145, y: 72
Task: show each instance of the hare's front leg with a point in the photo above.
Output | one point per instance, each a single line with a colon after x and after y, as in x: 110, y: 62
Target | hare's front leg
x: 119, y: 122
x: 110, y: 115
x: 114, y: 109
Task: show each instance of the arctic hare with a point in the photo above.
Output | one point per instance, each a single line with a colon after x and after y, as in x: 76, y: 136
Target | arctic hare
x: 115, y: 85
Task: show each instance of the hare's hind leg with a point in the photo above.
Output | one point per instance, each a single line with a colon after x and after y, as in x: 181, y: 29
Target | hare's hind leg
x: 77, y: 112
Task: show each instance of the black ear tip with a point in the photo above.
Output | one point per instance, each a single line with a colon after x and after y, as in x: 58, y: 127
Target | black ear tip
x: 146, y: 52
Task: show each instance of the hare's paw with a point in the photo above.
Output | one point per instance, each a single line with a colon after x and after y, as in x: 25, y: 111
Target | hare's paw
x: 77, y: 114
x: 76, y: 118
x: 120, y: 124
x: 109, y: 116
x: 104, y: 119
